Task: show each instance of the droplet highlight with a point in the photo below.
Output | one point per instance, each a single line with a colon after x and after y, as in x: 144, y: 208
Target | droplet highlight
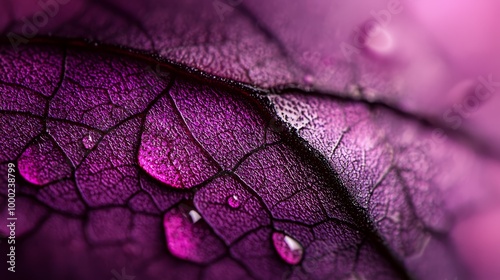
x: 233, y: 201
x: 195, y: 216
x: 189, y: 237
x: 288, y: 248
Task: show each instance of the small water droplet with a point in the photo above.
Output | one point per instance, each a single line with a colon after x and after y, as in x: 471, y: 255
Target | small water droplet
x: 233, y: 201
x: 288, y: 248
x: 90, y: 140
x: 308, y: 79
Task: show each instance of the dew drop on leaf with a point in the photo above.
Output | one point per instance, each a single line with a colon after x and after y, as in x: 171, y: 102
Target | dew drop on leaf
x: 233, y: 201
x: 90, y: 140
x: 288, y: 248
x: 308, y: 79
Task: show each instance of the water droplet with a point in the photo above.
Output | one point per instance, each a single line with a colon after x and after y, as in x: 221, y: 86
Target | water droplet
x: 308, y: 79
x: 233, y: 201
x: 90, y: 140
x: 381, y: 41
x: 189, y: 237
x: 288, y: 248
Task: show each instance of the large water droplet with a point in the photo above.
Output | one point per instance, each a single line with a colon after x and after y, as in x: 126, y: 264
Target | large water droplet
x: 288, y: 248
x: 189, y: 237
x: 234, y: 201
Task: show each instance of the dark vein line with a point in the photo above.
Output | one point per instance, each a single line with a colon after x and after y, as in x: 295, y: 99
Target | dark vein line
x: 190, y: 133
x: 37, y: 93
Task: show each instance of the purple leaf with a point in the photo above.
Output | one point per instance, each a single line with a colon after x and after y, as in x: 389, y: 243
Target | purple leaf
x: 110, y: 148
x: 231, y: 208
x: 248, y: 179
